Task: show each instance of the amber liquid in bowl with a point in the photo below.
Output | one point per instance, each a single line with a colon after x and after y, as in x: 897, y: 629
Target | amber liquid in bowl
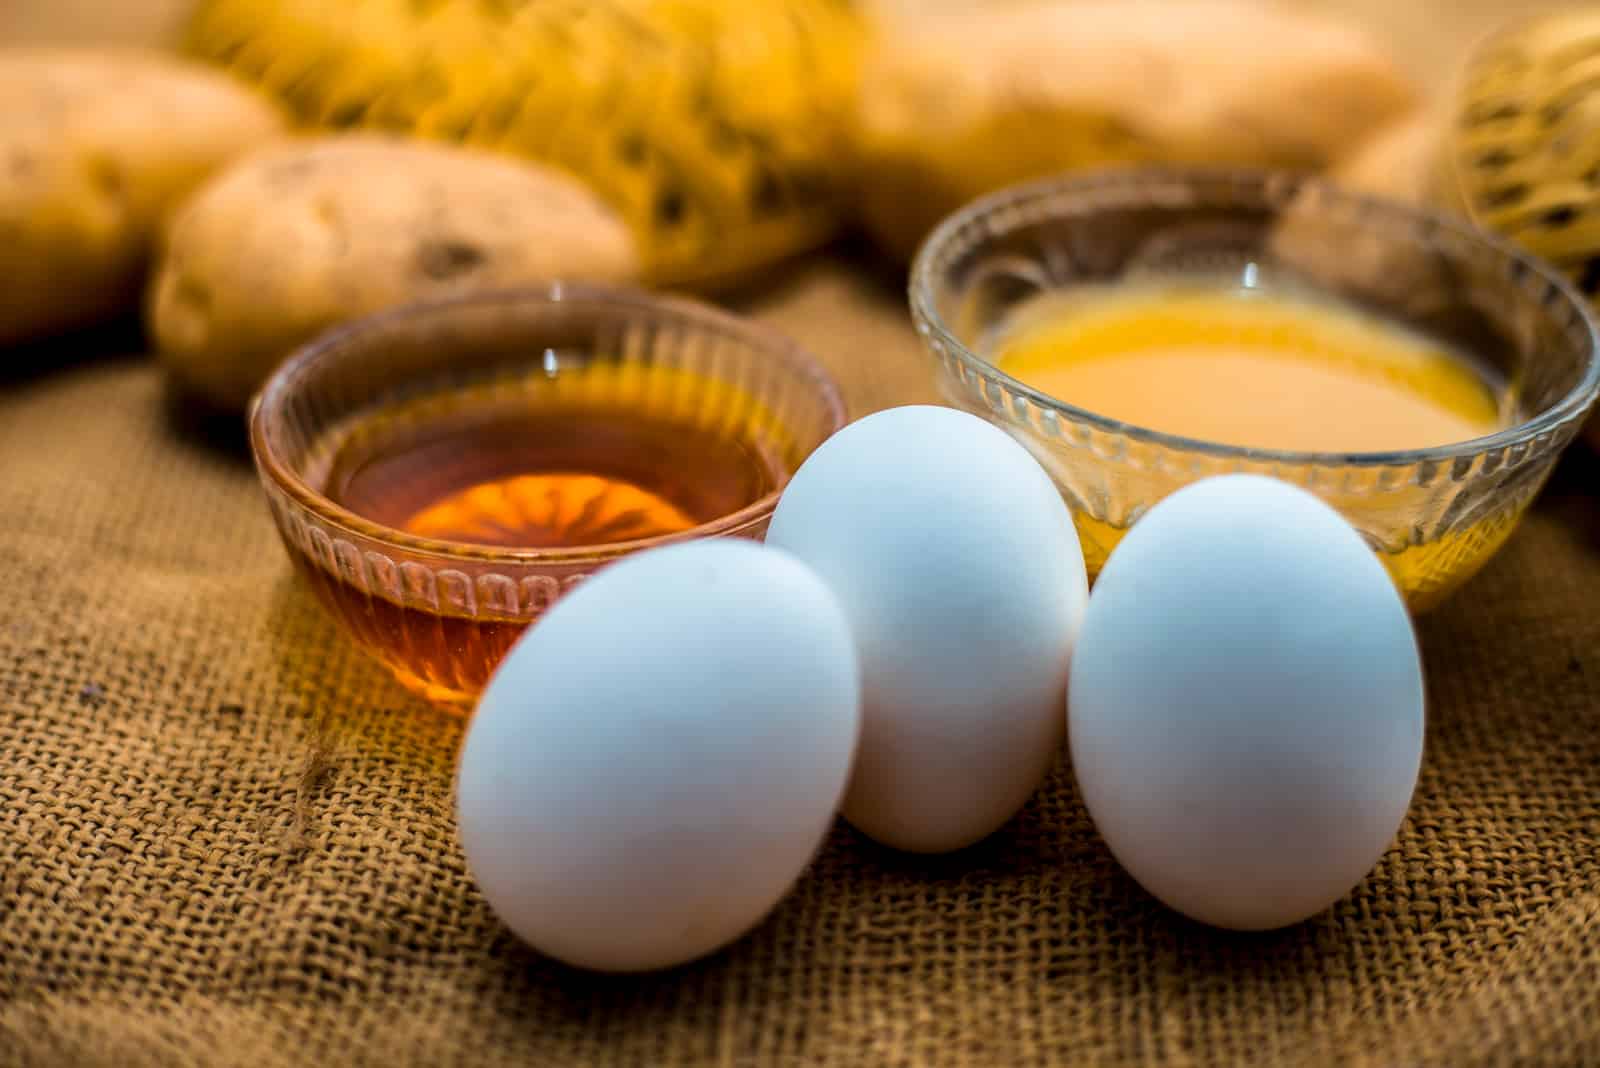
x: 1273, y: 369
x: 517, y: 478
x: 600, y: 459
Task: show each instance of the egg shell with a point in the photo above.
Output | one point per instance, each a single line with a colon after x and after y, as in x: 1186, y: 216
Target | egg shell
x: 960, y: 570
x: 1246, y: 706
x: 656, y: 761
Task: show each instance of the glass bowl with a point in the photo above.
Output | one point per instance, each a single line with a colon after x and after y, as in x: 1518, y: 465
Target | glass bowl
x: 1434, y: 515
x: 439, y: 613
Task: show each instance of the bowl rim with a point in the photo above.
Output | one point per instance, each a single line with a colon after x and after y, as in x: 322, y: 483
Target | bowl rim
x: 1279, y: 183
x: 281, y: 386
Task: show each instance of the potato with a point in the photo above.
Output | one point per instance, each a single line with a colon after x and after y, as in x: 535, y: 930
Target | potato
x: 1400, y: 162
x: 956, y: 105
x: 300, y: 237
x: 719, y: 130
x: 95, y: 149
x: 147, y: 23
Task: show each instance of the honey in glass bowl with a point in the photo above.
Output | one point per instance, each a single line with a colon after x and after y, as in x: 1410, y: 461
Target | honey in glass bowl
x: 554, y: 462
x: 443, y: 473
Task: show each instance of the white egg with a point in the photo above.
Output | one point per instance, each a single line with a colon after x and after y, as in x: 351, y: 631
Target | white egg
x: 656, y: 761
x: 1246, y: 710
x: 958, y: 565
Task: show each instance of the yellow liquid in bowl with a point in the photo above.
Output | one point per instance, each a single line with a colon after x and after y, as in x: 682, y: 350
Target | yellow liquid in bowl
x: 1248, y: 368
x: 1269, y: 370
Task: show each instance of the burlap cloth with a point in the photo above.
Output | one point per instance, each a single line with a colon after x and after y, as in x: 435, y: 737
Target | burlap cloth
x: 227, y: 839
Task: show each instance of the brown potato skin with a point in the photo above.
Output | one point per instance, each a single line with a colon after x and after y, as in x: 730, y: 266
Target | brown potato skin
x: 96, y: 148
x: 957, y: 105
x: 293, y: 240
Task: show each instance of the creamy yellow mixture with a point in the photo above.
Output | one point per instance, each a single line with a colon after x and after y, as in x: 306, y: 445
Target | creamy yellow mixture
x: 1247, y: 367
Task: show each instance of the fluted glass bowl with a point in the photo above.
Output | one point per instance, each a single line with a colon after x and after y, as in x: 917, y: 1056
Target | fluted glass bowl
x: 440, y: 614
x: 1434, y: 515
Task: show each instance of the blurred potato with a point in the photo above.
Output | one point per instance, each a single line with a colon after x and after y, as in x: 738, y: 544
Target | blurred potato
x: 718, y: 129
x: 143, y: 23
x: 958, y: 104
x: 298, y: 238
x: 96, y: 147
x: 1399, y: 162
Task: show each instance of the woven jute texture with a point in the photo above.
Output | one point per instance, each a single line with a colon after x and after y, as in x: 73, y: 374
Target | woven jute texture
x: 227, y: 839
